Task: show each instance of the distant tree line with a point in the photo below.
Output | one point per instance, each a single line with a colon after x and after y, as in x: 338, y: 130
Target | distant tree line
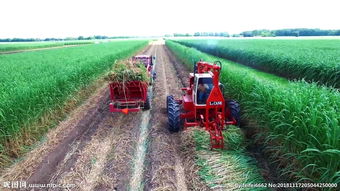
x: 291, y: 32
x: 19, y: 39
x: 221, y: 34
x: 181, y: 34
x: 61, y: 39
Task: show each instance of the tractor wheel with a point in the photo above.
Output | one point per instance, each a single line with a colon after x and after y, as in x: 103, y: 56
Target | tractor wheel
x: 174, y: 121
x: 169, y: 99
x: 147, y: 103
x: 235, y: 111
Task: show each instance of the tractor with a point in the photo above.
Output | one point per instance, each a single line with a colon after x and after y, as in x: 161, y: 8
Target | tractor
x: 203, y: 104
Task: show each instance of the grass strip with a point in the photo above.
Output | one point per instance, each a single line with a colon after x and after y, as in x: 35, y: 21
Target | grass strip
x: 314, y: 60
x: 8, y: 47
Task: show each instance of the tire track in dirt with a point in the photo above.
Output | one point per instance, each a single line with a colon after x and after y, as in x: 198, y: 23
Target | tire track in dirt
x: 124, y: 165
x: 138, y: 165
x: 179, y: 169
x: 141, y: 147
x: 116, y: 171
x: 186, y: 144
x: 165, y: 170
x: 84, y: 173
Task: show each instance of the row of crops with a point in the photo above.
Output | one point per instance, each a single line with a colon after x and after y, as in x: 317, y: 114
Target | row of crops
x: 298, y: 122
x: 228, y: 167
x: 315, y: 60
x: 33, y: 83
x: 5, y: 47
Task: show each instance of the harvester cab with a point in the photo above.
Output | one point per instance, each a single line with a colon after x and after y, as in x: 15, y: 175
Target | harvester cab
x: 203, y: 104
x: 202, y: 88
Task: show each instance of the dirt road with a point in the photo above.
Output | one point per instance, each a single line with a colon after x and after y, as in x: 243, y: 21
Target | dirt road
x: 94, y: 149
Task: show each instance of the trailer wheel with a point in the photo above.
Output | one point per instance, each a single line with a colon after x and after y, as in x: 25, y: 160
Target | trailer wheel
x: 234, y: 108
x: 174, y: 121
x: 168, y: 100
x: 147, y: 103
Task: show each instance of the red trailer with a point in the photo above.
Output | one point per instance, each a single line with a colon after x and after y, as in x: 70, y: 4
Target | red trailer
x: 129, y: 96
x: 132, y: 96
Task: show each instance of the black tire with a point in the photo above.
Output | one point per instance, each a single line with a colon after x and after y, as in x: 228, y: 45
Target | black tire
x: 147, y: 103
x: 234, y: 108
x: 168, y: 100
x: 174, y: 121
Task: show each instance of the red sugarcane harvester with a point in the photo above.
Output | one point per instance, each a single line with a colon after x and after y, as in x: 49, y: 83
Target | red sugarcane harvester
x: 203, y: 104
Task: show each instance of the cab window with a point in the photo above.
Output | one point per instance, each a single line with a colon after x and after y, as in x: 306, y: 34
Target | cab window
x: 204, y: 88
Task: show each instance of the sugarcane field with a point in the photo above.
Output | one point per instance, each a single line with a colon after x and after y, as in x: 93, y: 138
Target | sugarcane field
x: 170, y: 95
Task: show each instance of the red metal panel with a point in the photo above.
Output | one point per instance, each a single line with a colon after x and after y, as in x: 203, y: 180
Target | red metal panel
x: 131, y: 95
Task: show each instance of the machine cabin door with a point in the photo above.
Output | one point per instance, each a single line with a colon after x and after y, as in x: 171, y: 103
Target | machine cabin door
x: 203, y: 87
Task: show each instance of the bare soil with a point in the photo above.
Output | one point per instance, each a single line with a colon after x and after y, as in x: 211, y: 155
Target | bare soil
x: 169, y: 166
